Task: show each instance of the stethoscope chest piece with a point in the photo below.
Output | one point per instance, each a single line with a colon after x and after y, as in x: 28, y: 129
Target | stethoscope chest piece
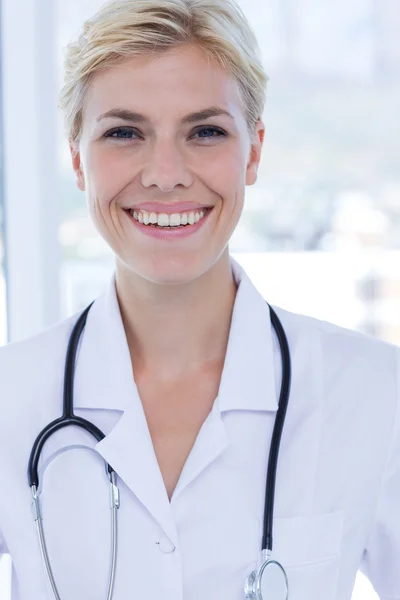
x: 270, y: 582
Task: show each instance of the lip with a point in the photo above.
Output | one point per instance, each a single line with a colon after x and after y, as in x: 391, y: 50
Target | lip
x: 169, y: 209
x: 169, y: 234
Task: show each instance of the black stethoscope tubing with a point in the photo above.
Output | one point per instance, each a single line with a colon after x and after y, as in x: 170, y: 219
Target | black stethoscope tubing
x: 267, y: 539
x: 69, y: 418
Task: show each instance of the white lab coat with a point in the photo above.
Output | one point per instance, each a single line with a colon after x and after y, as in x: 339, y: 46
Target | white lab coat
x: 337, y: 503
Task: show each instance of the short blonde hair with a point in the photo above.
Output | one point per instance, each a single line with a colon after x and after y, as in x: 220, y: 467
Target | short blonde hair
x: 125, y: 28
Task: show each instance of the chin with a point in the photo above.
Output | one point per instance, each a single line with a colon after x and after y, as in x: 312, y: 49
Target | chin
x: 171, y: 271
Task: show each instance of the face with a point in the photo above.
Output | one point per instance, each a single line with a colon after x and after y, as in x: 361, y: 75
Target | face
x: 144, y: 152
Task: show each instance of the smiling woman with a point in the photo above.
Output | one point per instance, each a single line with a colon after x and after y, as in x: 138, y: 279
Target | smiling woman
x: 180, y: 378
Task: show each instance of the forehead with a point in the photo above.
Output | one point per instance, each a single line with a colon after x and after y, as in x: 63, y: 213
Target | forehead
x: 175, y: 82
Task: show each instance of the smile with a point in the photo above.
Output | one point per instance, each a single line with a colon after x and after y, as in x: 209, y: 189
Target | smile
x: 171, y: 220
x: 169, y: 227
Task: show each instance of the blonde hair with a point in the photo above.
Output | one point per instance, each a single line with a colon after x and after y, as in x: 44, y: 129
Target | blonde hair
x: 125, y: 28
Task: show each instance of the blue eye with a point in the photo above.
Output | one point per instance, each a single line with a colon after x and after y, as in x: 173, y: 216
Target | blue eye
x: 120, y: 133
x: 216, y: 130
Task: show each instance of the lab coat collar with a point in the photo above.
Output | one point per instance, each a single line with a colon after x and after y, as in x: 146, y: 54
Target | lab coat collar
x: 248, y: 377
x: 104, y: 380
x: 104, y: 376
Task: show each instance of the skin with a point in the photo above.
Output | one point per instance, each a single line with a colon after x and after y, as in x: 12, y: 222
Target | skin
x: 176, y: 298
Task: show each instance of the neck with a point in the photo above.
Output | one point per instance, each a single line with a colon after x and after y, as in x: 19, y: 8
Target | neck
x: 182, y: 329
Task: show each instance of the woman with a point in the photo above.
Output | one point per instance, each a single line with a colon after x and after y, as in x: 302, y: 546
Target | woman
x: 178, y: 363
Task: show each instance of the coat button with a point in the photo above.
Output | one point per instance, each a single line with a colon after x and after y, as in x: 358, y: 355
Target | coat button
x: 166, y: 545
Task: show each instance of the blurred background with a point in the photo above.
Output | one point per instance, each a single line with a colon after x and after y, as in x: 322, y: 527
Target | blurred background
x: 320, y: 233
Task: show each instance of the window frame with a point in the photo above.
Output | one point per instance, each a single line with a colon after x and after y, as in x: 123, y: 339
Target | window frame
x: 31, y: 206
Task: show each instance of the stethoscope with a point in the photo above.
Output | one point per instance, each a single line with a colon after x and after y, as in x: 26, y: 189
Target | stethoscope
x: 269, y: 581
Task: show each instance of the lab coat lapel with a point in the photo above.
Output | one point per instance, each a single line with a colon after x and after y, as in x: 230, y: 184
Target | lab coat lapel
x: 248, y: 380
x: 129, y: 450
x: 104, y: 380
x: 211, y: 442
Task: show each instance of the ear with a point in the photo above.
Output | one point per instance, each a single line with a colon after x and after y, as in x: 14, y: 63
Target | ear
x: 255, y: 153
x: 77, y: 164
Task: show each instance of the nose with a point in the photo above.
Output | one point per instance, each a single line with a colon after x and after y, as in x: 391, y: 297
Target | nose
x: 166, y: 167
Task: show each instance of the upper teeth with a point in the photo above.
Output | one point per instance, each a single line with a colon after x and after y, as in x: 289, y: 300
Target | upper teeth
x: 164, y: 220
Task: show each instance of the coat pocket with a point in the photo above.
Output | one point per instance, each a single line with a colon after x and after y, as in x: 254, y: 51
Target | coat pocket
x: 309, y: 549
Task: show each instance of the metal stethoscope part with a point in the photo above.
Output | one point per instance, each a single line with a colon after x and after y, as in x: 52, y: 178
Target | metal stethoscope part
x: 268, y: 582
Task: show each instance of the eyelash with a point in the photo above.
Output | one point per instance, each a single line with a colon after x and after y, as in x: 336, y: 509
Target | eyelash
x: 110, y: 134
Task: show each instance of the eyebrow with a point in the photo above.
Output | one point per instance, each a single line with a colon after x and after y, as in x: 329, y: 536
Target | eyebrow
x: 134, y: 117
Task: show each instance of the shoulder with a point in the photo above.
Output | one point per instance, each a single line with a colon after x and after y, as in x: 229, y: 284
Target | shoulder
x: 37, y: 347
x: 32, y: 364
x: 339, y: 350
x: 337, y: 337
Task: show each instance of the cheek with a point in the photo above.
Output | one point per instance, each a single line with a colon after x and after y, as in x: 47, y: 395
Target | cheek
x: 227, y: 177
x: 107, y: 178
